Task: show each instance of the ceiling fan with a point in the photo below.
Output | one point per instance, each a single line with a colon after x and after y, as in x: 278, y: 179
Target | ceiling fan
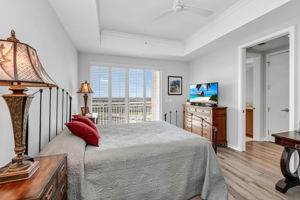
x: 179, y: 6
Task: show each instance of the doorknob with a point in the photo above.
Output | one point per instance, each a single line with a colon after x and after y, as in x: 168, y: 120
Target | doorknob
x: 285, y: 110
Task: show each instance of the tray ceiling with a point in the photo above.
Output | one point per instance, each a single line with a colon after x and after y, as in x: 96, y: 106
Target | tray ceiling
x: 136, y: 17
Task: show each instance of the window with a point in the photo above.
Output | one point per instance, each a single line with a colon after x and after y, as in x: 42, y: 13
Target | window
x: 124, y: 95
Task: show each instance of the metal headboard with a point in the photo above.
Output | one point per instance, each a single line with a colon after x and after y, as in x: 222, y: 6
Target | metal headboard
x: 203, y: 121
x: 65, y: 112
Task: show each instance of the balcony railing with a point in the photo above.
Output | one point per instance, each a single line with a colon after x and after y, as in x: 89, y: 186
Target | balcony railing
x: 118, y: 112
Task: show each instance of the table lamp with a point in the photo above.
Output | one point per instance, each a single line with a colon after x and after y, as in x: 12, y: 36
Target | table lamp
x: 20, y: 68
x: 85, y: 89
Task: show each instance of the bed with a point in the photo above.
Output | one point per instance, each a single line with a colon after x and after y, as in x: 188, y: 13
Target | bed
x: 150, y: 160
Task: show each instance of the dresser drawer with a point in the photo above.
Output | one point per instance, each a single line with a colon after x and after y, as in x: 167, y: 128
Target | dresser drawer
x: 203, y: 111
x: 50, y: 191
x: 62, y: 172
x: 207, y: 134
x: 61, y: 193
x: 58, y: 187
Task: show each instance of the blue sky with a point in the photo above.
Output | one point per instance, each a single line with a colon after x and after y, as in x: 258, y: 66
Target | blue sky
x: 100, y: 77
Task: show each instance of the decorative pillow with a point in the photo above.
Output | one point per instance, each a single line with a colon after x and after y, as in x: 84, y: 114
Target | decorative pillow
x: 84, y: 131
x: 85, y: 120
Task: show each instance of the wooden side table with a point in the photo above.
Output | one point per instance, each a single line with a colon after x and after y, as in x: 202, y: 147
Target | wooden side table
x: 291, y: 142
x: 49, y: 182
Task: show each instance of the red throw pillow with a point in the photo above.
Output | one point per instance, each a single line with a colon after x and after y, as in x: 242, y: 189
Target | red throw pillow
x: 86, y: 121
x: 84, y: 131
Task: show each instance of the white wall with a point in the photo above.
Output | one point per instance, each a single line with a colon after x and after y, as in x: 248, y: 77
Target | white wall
x: 220, y: 63
x: 36, y: 24
x: 167, y: 68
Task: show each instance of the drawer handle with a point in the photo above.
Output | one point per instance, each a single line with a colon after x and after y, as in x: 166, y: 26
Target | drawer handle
x: 49, y: 193
x: 62, y: 189
x: 61, y: 171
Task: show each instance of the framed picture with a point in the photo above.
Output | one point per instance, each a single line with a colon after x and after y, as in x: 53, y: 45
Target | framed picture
x: 174, y: 85
x: 85, y: 110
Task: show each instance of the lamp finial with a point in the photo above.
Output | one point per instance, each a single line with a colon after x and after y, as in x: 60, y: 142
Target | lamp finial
x: 13, y: 38
x: 13, y: 33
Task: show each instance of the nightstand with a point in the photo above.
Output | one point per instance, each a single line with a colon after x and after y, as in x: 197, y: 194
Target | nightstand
x: 48, y: 183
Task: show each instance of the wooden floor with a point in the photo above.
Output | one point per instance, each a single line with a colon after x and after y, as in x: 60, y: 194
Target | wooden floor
x: 253, y: 174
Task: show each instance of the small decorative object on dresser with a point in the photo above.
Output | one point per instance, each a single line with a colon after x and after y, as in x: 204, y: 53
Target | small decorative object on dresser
x: 217, y: 116
x: 85, y: 89
x: 20, y: 68
x: 49, y: 182
x: 174, y: 85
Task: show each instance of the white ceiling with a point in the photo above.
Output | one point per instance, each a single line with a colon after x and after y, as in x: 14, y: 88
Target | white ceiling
x: 136, y: 16
x: 119, y: 27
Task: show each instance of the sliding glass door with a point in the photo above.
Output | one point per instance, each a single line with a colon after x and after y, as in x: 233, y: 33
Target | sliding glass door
x: 123, y: 95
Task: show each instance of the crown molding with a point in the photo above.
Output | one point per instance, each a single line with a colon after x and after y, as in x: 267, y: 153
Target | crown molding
x: 140, y: 43
x: 81, y: 21
x: 238, y: 15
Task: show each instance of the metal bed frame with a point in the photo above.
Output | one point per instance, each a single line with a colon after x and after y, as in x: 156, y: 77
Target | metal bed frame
x: 65, y: 112
x: 203, y: 121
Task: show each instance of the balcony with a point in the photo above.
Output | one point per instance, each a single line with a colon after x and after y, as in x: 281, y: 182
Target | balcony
x: 118, y: 112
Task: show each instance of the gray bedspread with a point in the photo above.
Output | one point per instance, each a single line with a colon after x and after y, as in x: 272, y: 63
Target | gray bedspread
x: 151, y: 160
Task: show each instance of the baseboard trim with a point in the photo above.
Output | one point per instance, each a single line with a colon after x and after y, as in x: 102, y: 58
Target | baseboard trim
x: 234, y: 147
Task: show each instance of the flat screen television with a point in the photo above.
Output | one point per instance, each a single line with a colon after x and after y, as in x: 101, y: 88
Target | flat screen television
x: 205, y: 93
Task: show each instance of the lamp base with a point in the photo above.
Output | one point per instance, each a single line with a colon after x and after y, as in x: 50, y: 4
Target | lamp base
x: 7, y: 174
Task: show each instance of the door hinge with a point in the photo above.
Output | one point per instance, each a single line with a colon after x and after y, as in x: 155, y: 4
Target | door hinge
x: 269, y: 109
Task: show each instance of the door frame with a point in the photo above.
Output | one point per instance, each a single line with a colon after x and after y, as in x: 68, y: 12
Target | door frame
x: 290, y: 31
x: 267, y: 100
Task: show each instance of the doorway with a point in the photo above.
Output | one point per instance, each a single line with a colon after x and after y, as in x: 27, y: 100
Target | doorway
x: 271, y: 61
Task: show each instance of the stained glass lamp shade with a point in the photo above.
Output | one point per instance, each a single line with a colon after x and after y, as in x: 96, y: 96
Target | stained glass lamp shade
x: 20, y: 67
x: 85, y: 89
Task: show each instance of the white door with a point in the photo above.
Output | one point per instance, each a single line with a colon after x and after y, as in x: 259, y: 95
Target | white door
x: 257, y: 90
x: 277, y: 93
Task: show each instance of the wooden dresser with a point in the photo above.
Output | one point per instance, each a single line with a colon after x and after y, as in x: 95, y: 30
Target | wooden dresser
x: 215, y: 115
x: 48, y: 183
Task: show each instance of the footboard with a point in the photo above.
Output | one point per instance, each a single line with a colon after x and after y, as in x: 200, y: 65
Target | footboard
x: 197, y: 124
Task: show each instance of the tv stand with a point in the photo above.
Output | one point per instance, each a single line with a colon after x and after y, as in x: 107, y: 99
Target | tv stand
x: 215, y: 115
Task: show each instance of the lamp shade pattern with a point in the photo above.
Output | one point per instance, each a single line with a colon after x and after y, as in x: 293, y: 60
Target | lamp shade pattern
x: 19, y: 64
x: 85, y: 88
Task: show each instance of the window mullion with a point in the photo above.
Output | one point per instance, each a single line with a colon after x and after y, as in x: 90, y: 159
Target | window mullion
x: 127, y: 95
x: 144, y: 96
x: 109, y: 96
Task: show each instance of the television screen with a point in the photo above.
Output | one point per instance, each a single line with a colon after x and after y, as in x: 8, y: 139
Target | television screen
x: 206, y: 93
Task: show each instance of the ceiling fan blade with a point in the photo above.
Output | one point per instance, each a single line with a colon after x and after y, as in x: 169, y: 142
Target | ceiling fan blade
x: 200, y: 11
x: 167, y: 12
